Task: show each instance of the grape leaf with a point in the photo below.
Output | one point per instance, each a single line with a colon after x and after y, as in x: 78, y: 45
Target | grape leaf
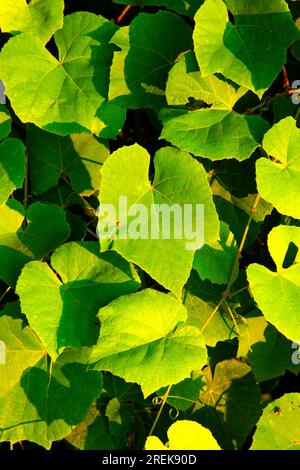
x: 215, y: 261
x: 147, y: 50
x: 5, y: 122
x: 278, y: 428
x: 235, y: 50
x: 77, y: 157
x: 125, y: 173
x: 184, y: 435
x: 40, y: 18
x: 62, y: 96
x: 62, y: 311
x: 232, y: 400
x: 267, y: 351
x: 46, y: 229
x: 142, y: 335
x: 278, y: 293
x: 12, y: 167
x: 278, y: 178
x: 32, y: 398
x: 215, y: 131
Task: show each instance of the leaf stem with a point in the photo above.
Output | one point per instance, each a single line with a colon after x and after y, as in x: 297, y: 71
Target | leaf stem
x: 4, y: 294
x: 124, y: 12
x: 164, y: 399
x: 227, y: 293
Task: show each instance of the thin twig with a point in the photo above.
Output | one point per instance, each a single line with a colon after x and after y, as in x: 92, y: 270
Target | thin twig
x: 124, y: 12
x: 164, y: 399
x: 227, y: 293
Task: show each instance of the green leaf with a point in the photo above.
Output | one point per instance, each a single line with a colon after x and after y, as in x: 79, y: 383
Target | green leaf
x: 147, y: 50
x: 278, y: 428
x: 215, y: 261
x: 77, y: 157
x: 40, y: 18
x: 62, y: 310
x: 62, y: 96
x: 5, y: 122
x: 278, y: 177
x: 217, y: 131
x: 179, y: 179
x: 201, y: 298
x: 92, y: 433
x: 235, y: 50
x: 32, y: 397
x: 185, y: 435
x: 278, y: 293
x: 267, y: 351
x: 141, y: 337
x: 46, y: 229
x: 230, y: 406
x: 12, y: 167
x: 235, y: 211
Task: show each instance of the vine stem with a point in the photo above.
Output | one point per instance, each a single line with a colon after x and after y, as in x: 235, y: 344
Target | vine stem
x: 124, y: 12
x: 227, y: 293
x: 25, y: 201
x: 4, y: 294
x: 164, y: 399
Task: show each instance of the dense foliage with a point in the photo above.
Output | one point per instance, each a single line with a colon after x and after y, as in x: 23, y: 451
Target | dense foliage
x: 132, y: 344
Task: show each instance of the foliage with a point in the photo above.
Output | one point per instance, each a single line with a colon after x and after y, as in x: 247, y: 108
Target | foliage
x: 143, y: 343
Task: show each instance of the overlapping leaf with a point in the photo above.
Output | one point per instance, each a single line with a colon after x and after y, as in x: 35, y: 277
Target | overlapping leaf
x: 230, y: 406
x: 234, y: 48
x: 141, y: 337
x: 46, y: 228
x: 76, y: 157
x: 216, y: 131
x: 147, y: 50
x: 33, y: 397
x: 62, y: 311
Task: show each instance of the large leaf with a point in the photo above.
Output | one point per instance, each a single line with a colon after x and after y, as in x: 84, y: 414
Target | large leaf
x: 278, y: 293
x: 45, y: 230
x: 62, y: 311
x: 147, y: 50
x: 40, y: 18
x: 230, y: 406
x: 12, y: 167
x: 278, y: 178
x: 33, y: 397
x: 180, y: 180
x: 77, y: 157
x: 141, y: 337
x: 235, y: 50
x: 185, y: 435
x: 279, y: 427
x: 214, y: 132
x: 63, y: 95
